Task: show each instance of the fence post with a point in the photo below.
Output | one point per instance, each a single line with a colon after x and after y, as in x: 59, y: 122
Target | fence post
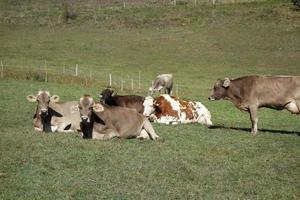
x: 131, y: 84
x: 195, y: 2
x: 214, y: 2
x: 110, y: 80
x: 46, y: 73
x: 124, y: 4
x: 2, y: 69
x: 139, y: 79
x: 76, y: 70
x: 122, y: 84
x: 90, y: 75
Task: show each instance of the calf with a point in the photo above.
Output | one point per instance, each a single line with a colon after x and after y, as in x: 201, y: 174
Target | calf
x: 252, y: 92
x: 162, y: 82
x: 113, y: 121
x: 109, y: 97
x: 172, y: 110
x: 51, y: 115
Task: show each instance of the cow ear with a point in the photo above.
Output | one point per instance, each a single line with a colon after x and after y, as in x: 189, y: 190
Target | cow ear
x: 31, y: 98
x: 75, y: 108
x: 97, y: 107
x: 226, y: 82
x: 54, y: 98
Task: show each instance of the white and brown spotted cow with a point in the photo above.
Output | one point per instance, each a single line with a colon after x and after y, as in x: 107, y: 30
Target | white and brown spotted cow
x: 168, y: 109
x: 249, y: 93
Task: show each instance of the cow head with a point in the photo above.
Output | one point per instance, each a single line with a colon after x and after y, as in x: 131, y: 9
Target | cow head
x: 43, y: 99
x: 85, y: 107
x: 220, y: 89
x: 106, y: 94
x: 148, y: 106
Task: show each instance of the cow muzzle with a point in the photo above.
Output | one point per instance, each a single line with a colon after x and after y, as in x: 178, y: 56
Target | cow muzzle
x: 211, y: 98
x: 44, y: 112
x: 85, y: 119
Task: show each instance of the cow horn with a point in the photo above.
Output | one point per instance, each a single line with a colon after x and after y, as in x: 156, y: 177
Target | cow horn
x: 226, y: 82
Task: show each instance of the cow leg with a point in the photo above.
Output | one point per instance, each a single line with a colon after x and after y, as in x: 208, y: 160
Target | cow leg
x: 293, y: 107
x: 105, y: 134
x: 143, y: 135
x: 254, y: 119
x: 149, y: 129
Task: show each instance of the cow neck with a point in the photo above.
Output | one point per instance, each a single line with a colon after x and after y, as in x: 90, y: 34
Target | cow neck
x: 87, y: 129
x: 233, y: 94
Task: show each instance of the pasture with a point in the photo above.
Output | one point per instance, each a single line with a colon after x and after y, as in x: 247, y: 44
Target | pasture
x: 198, y: 44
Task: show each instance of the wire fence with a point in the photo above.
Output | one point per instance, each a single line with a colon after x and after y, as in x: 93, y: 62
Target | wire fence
x: 123, y: 81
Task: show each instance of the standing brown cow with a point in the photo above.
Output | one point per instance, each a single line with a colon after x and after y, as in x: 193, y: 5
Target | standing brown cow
x: 252, y: 92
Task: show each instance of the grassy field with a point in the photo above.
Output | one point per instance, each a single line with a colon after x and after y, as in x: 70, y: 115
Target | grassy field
x: 198, y: 45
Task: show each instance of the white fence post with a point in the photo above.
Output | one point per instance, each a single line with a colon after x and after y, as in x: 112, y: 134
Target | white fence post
x: 110, y: 80
x: 122, y: 84
x: 214, y: 2
x: 2, y: 69
x: 139, y: 79
x: 124, y: 4
x: 46, y: 73
x: 131, y: 84
x: 76, y: 70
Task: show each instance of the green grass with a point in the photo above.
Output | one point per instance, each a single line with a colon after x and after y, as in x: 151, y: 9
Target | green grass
x: 196, y: 44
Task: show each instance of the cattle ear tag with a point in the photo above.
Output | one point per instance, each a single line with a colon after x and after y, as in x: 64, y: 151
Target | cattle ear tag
x: 54, y: 98
x: 98, y: 107
x: 75, y: 108
x: 226, y: 82
x: 31, y: 98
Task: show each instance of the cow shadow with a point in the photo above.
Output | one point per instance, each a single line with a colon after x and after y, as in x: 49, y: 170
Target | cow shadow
x: 249, y: 130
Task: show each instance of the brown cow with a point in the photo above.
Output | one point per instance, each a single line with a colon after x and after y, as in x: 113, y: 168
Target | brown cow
x: 252, y: 92
x: 52, y: 115
x: 99, y: 121
x: 111, y: 98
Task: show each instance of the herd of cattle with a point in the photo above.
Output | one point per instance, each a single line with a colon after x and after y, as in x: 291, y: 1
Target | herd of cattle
x: 129, y: 116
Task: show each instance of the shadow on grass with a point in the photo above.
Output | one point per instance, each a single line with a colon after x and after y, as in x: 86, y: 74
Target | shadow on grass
x: 249, y: 130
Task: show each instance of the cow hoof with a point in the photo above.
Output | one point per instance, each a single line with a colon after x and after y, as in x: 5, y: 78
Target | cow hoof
x: 253, y: 133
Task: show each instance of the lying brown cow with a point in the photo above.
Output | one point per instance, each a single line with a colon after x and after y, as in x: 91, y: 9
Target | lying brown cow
x: 252, y: 92
x: 111, y: 98
x: 104, y: 122
x: 52, y: 115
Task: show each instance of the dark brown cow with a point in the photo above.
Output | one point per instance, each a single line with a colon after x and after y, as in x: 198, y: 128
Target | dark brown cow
x: 252, y: 92
x: 99, y: 121
x: 110, y: 97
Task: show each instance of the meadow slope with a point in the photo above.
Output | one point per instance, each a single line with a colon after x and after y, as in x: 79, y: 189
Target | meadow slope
x: 198, y: 45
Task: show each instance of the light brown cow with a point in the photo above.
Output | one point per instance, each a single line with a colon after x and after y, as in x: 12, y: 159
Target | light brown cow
x: 52, y: 115
x: 252, y: 92
x: 99, y: 121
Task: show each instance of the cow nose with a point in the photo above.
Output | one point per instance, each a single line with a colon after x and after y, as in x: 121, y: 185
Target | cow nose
x: 84, y: 118
x: 44, y: 111
x: 211, y: 98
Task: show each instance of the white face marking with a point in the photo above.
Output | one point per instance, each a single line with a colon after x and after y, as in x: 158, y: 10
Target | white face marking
x: 148, y: 106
